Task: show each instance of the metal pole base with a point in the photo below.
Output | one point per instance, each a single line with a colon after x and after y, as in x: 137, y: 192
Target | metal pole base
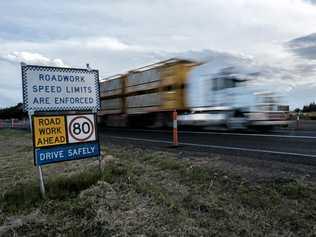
x: 41, y: 181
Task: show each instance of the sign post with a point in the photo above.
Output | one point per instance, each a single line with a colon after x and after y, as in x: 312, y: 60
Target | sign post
x: 49, y: 93
x: 41, y: 180
x: 99, y: 157
x: 39, y: 168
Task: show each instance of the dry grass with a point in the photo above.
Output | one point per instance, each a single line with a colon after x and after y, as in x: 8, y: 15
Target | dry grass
x: 146, y: 193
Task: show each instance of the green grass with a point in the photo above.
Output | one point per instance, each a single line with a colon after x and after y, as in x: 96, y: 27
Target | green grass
x: 148, y: 193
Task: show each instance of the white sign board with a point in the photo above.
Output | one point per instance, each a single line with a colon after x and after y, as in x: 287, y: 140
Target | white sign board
x: 81, y: 128
x: 56, y: 88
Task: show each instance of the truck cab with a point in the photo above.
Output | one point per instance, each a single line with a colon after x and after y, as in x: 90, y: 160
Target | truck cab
x: 226, y: 98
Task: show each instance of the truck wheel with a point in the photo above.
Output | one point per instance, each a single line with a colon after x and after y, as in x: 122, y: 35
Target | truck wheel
x: 167, y: 120
x: 237, y: 122
x: 265, y: 129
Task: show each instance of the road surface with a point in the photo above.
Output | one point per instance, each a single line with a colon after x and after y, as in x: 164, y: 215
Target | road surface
x: 286, y: 144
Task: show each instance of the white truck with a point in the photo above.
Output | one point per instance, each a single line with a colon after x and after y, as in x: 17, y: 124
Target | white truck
x: 227, y: 97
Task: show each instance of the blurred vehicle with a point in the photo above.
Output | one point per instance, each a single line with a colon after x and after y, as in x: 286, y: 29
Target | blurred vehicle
x: 147, y: 96
x: 285, y: 109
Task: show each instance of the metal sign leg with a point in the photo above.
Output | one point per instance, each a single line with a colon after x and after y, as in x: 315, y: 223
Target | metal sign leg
x: 41, y: 180
x: 100, y: 165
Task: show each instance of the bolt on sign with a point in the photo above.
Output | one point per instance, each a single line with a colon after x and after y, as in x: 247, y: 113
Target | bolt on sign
x: 64, y: 137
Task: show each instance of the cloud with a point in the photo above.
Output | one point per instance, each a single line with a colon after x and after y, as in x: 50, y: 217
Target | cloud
x: 304, y: 47
x: 236, y: 26
x: 107, y: 43
x: 10, y: 78
x: 310, y: 1
x: 115, y: 36
x: 100, y: 42
x: 32, y: 58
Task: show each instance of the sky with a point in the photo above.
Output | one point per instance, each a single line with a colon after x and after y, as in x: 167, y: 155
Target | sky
x: 114, y: 36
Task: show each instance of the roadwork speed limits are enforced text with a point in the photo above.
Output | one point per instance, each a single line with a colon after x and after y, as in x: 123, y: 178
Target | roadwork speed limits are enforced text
x: 60, y: 89
x: 64, y: 137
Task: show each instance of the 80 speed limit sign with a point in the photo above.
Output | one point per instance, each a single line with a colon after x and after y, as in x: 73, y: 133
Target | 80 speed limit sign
x: 81, y: 128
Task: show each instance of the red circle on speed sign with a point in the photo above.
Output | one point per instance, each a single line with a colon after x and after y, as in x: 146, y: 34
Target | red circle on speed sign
x: 83, y: 131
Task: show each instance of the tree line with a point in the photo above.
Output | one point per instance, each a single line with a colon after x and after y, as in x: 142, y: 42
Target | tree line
x: 309, y: 108
x: 15, y: 112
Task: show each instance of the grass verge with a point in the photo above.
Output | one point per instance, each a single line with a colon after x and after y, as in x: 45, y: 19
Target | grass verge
x: 146, y: 193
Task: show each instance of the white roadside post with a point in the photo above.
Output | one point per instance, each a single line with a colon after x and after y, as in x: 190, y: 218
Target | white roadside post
x: 298, y: 121
x: 175, y: 128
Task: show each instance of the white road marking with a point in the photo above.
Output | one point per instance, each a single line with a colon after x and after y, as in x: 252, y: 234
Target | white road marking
x: 225, y: 133
x: 216, y: 147
x: 257, y: 135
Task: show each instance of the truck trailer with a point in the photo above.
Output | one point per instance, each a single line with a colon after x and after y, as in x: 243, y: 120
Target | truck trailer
x: 147, y: 96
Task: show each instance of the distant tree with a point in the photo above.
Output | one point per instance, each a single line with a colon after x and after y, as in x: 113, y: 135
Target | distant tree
x: 306, y: 108
x: 13, y: 112
x: 309, y: 108
x: 312, y: 107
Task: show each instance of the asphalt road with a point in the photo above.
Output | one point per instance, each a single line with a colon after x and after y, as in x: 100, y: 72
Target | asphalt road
x: 283, y: 144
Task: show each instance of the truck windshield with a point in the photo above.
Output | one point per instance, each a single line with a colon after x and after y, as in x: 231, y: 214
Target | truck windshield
x: 225, y: 83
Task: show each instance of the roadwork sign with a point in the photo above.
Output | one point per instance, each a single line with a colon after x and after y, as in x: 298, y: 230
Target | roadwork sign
x: 60, y: 89
x: 64, y: 137
x: 49, y: 131
x: 59, y: 137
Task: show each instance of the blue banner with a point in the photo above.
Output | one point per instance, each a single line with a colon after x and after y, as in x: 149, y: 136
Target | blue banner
x: 67, y: 152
